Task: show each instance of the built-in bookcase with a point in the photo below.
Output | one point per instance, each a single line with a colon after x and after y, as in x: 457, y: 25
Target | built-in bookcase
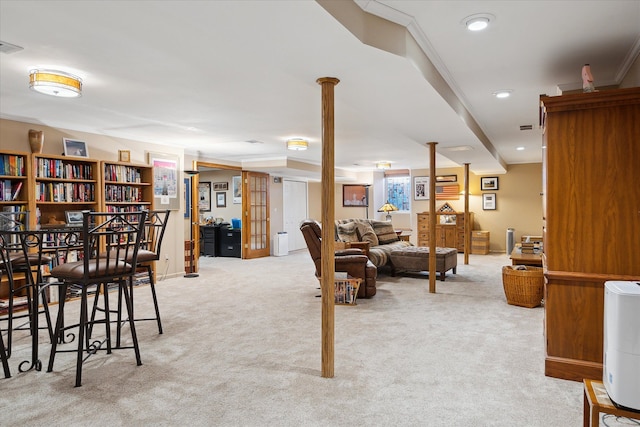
x: 15, y: 169
x: 64, y: 184
x: 127, y: 187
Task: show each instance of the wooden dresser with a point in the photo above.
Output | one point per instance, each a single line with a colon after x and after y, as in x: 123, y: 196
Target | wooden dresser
x: 449, y: 229
x: 591, y: 209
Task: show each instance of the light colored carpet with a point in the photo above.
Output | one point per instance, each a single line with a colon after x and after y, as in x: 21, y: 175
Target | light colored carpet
x: 242, y: 347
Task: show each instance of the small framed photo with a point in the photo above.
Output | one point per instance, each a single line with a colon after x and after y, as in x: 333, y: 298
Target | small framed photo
x: 75, y: 148
x: 221, y: 199
x: 489, y: 183
x: 220, y: 186
x: 447, y: 178
x: 124, y: 156
x: 421, y: 188
x: 74, y: 218
x: 489, y: 201
x: 204, y: 196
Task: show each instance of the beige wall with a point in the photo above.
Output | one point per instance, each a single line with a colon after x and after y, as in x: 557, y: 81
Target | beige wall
x: 632, y: 78
x: 13, y: 136
x: 519, y: 204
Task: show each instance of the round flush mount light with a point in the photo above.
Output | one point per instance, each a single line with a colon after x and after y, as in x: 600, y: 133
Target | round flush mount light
x: 478, y: 21
x: 501, y: 94
x: 383, y: 165
x: 55, y: 83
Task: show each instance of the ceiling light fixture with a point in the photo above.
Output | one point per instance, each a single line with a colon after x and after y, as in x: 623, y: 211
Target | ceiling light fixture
x: 297, y: 144
x: 520, y: 148
x: 383, y: 165
x: 478, y: 21
x: 501, y: 94
x: 55, y: 83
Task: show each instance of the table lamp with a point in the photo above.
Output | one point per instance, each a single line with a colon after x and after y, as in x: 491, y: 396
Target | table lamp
x: 388, y: 207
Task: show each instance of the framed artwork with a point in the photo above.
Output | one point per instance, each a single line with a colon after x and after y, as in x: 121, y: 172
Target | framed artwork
x: 165, y: 180
x: 448, y: 192
x: 187, y: 197
x: 421, y: 188
x: 489, y: 183
x: 124, y: 156
x: 447, y: 178
x: 355, y: 195
x: 74, y: 218
x: 204, y: 196
x: 236, y: 181
x: 75, y: 148
x: 221, y: 199
x: 220, y: 186
x: 489, y: 201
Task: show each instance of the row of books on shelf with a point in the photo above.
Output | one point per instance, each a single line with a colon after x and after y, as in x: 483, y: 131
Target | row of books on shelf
x: 14, y: 218
x: 53, y: 168
x: 122, y: 173
x: 12, y: 165
x: 130, y: 208
x: 65, y: 192
x: 122, y: 193
x: 9, y: 190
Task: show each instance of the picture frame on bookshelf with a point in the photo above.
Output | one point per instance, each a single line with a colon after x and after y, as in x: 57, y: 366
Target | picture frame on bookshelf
x: 221, y: 199
x: 124, y: 156
x: 75, y: 148
x: 489, y: 201
x: 74, y: 218
x: 488, y: 183
x: 204, y: 196
x: 220, y: 186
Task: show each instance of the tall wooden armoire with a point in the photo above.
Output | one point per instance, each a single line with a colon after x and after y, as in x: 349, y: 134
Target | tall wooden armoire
x: 591, y: 208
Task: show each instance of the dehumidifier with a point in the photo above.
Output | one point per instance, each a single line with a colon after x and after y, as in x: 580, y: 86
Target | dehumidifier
x: 621, y: 374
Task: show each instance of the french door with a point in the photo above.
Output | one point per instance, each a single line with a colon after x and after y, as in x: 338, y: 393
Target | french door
x: 255, y: 224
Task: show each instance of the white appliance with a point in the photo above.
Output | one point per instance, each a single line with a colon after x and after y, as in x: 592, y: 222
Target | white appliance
x: 621, y: 373
x: 281, y: 244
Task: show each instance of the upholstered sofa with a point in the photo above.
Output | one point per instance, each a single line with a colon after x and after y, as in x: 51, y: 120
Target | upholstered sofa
x: 381, y: 236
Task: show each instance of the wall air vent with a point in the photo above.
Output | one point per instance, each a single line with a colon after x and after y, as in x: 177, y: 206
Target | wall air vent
x: 526, y: 127
x: 9, y: 48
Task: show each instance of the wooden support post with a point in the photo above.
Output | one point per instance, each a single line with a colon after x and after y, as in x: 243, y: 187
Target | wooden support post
x: 467, y: 225
x: 432, y: 216
x: 327, y: 271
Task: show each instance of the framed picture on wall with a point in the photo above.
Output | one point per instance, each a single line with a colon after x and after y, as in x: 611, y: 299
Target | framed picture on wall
x: 204, y: 196
x: 220, y: 186
x: 488, y: 183
x: 236, y: 182
x: 355, y: 195
x: 166, y: 191
x: 489, y: 201
x: 221, y: 199
x: 421, y: 188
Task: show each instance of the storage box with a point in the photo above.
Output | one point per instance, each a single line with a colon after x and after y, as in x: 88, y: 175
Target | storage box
x: 480, y: 242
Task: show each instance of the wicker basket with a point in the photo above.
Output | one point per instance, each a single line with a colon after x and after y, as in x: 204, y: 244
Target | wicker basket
x: 523, y: 287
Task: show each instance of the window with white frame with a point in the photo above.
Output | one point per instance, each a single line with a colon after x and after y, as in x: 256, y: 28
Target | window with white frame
x: 398, y: 190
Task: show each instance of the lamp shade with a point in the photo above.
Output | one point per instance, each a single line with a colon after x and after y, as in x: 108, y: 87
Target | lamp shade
x: 297, y: 144
x: 387, y: 207
x: 55, y: 83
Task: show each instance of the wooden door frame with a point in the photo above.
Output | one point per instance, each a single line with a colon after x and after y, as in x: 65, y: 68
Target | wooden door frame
x: 195, y: 225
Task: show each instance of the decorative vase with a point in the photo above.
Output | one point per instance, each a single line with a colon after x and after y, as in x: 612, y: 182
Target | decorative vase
x: 36, y: 140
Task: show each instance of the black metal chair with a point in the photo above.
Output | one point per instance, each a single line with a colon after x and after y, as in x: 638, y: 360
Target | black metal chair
x: 110, y: 250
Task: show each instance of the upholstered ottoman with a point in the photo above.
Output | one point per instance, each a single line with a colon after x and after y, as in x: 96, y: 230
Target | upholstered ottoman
x: 416, y: 258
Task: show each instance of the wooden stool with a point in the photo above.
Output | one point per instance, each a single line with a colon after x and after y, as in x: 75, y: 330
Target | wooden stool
x: 597, y: 400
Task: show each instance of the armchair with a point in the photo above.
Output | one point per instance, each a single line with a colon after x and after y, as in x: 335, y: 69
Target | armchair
x: 351, y: 261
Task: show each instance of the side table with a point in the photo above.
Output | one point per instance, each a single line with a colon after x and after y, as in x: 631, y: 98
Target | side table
x: 597, y: 400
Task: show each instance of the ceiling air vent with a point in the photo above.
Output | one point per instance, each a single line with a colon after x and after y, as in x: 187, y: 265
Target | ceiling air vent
x: 526, y: 127
x: 9, y: 48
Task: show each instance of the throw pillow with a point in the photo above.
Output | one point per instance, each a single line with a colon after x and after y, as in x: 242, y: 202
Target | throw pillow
x: 385, y: 232
x: 348, y: 232
x: 367, y: 234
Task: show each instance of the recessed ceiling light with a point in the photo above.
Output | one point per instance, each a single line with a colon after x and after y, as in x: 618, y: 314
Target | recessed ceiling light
x: 520, y: 148
x: 478, y: 21
x: 502, y: 93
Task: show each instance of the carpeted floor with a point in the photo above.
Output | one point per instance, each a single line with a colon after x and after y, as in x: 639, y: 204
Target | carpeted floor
x: 242, y: 348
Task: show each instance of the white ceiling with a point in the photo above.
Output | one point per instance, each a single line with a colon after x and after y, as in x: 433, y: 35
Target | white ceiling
x: 210, y: 75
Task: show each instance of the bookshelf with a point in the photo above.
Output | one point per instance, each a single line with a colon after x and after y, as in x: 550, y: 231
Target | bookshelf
x: 15, y: 169
x: 128, y: 187
x: 64, y: 184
